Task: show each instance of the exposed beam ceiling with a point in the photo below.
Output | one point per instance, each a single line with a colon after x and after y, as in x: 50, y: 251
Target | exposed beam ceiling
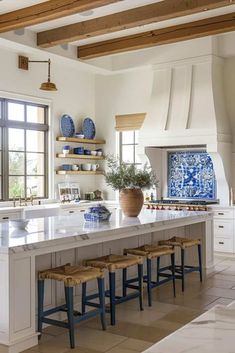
x: 139, y: 16
x: 47, y: 11
x: 192, y: 30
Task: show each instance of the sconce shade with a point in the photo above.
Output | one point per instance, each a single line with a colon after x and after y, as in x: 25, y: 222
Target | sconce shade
x: 48, y: 86
x: 23, y: 63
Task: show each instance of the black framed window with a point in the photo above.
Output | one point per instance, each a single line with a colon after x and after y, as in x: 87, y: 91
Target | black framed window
x: 23, y: 149
x: 128, y: 147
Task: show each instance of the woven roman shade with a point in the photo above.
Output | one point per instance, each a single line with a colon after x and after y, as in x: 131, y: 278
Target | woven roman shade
x: 129, y: 122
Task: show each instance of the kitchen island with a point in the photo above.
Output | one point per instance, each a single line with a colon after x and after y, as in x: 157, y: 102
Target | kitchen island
x: 53, y: 241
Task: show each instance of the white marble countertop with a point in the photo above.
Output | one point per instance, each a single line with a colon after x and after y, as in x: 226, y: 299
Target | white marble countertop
x: 212, y: 332
x: 50, y: 231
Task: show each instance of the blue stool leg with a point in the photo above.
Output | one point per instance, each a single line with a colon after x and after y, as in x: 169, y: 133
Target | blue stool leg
x: 182, y: 268
x: 200, y: 261
x: 158, y: 269
x: 102, y: 301
x: 112, y: 297
x: 140, y: 283
x: 83, y: 298
x: 69, y: 305
x: 173, y: 271
x: 149, y: 281
x: 40, y: 304
x: 124, y: 278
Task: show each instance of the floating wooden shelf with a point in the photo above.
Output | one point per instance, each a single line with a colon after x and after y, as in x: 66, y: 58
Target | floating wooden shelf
x: 79, y: 172
x: 77, y: 140
x: 79, y: 156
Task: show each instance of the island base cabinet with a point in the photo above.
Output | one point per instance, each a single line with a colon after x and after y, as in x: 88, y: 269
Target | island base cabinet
x: 18, y: 271
x: 17, y: 314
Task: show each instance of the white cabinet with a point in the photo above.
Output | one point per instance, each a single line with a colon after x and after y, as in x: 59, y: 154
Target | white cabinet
x: 10, y: 215
x: 224, y: 214
x: 72, y: 210
x: 224, y: 230
x: 41, y: 211
x: 223, y: 245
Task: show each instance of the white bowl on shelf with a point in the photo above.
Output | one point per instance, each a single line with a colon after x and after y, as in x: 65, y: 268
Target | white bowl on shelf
x: 19, y: 223
x: 65, y: 152
x: 79, y: 136
x: 93, y: 153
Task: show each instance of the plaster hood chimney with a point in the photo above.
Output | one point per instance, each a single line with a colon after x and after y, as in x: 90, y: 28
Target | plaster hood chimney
x: 187, y: 108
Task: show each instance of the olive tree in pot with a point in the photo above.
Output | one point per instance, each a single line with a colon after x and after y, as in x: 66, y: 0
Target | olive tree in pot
x: 130, y: 181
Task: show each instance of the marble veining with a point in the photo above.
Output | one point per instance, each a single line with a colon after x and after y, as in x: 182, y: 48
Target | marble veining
x: 212, y: 332
x: 49, y: 231
x: 191, y: 175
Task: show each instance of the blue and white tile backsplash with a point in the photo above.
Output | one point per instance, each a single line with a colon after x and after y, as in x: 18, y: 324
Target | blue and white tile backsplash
x: 191, y: 175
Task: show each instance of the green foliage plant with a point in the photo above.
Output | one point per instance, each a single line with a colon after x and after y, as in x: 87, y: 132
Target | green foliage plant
x: 121, y: 175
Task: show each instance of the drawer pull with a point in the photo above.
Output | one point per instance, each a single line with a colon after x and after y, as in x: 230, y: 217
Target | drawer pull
x: 220, y: 213
x: 71, y: 211
x: 221, y: 242
x: 221, y: 226
x: 5, y: 217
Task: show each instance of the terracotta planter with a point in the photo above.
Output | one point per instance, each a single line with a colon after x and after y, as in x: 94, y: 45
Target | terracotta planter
x: 131, y: 201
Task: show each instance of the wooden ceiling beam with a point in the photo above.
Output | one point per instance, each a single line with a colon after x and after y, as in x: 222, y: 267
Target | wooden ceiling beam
x: 192, y: 30
x: 47, y: 11
x: 139, y: 16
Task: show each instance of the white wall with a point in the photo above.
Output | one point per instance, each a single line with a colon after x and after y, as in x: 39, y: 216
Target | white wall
x: 120, y: 94
x: 229, y: 85
x: 75, y: 96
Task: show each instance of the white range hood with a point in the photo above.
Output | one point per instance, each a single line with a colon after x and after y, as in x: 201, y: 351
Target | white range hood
x: 187, y: 108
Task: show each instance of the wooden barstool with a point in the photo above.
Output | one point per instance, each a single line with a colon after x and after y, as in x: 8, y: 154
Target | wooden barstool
x: 183, y: 244
x: 71, y: 276
x: 150, y: 252
x: 112, y: 263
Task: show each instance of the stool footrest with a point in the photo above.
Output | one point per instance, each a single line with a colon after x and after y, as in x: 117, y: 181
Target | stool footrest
x: 132, y: 286
x: 55, y: 322
x: 77, y: 318
x: 162, y: 269
x: 187, y: 269
x: 55, y: 310
x: 126, y: 298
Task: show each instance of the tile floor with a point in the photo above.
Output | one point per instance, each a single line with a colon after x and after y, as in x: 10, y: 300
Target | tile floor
x: 135, y: 331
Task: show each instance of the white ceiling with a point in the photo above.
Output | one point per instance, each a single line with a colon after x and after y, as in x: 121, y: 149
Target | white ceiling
x: 11, y: 5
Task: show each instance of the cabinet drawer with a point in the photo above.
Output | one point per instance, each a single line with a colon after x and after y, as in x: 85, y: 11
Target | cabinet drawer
x: 223, y: 245
x: 10, y: 215
x: 72, y: 211
x: 223, y: 228
x: 223, y: 214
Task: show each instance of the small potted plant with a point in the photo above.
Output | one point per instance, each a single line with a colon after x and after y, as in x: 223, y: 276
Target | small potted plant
x: 130, y: 181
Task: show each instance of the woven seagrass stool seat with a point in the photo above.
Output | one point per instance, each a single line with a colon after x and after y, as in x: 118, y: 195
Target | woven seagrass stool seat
x: 150, y: 252
x: 181, y: 242
x: 184, y: 244
x: 71, y: 276
x: 112, y: 263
